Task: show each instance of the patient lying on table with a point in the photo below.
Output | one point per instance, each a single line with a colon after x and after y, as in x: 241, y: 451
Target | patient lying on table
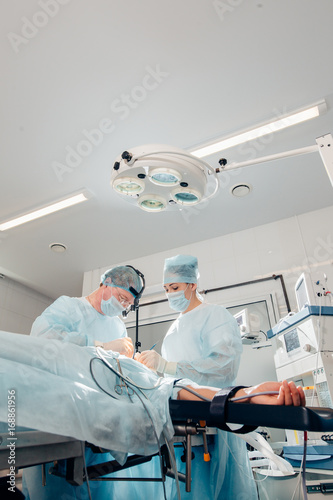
x: 79, y: 392
x: 69, y: 390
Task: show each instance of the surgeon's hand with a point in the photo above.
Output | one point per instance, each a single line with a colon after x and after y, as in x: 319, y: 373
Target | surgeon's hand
x: 123, y: 345
x: 288, y: 394
x: 151, y: 359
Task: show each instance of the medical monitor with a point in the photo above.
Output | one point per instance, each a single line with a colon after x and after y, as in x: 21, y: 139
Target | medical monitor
x: 248, y: 323
x: 242, y: 318
x: 304, y: 291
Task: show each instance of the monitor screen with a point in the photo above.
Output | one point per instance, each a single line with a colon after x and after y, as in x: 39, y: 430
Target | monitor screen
x: 242, y: 318
x: 292, y: 340
x: 305, y: 295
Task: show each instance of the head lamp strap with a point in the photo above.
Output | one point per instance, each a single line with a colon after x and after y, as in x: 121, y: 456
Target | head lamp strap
x: 137, y: 294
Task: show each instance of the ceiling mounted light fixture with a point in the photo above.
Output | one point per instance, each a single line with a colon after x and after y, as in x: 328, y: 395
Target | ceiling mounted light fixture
x: 41, y: 212
x: 169, y: 178
x: 155, y: 177
x: 282, y: 122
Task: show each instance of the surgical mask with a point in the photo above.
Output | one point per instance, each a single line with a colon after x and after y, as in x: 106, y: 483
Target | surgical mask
x: 178, y: 301
x: 111, y: 307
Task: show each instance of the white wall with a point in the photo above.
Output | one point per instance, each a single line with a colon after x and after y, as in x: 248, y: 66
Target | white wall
x: 19, y: 306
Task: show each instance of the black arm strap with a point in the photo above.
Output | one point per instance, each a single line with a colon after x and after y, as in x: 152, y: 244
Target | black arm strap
x: 219, y: 410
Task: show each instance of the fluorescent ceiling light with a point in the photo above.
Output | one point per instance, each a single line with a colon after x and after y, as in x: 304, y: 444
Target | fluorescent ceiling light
x: 261, y: 130
x: 73, y: 200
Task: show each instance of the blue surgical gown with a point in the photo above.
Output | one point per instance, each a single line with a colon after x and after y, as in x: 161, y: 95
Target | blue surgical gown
x: 74, y: 320
x: 206, y: 344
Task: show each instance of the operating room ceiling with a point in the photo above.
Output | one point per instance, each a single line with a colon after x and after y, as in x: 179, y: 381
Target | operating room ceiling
x: 180, y: 73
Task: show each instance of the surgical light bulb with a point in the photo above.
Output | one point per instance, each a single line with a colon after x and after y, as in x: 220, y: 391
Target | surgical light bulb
x: 186, y: 196
x: 130, y: 186
x: 152, y: 203
x: 165, y: 177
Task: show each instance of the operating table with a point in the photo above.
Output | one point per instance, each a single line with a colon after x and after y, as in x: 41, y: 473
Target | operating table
x: 189, y: 418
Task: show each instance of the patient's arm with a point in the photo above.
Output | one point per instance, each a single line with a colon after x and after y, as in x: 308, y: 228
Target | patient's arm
x: 288, y: 395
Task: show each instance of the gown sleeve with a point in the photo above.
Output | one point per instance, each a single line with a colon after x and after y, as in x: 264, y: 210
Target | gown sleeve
x: 62, y: 320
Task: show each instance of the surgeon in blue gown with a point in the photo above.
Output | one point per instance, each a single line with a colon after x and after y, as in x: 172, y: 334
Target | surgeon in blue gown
x: 204, y: 345
x: 87, y: 321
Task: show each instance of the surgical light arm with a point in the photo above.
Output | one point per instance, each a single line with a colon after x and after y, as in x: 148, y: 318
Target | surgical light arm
x: 324, y: 147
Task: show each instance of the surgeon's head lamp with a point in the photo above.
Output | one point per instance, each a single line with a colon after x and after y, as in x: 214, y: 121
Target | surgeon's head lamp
x: 137, y: 294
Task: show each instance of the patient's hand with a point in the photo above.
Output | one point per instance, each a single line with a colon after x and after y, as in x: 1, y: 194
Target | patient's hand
x: 289, y: 394
x: 123, y: 346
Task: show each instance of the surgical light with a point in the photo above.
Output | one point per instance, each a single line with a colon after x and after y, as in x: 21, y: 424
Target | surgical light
x: 266, y: 128
x: 171, y: 178
x: 41, y: 212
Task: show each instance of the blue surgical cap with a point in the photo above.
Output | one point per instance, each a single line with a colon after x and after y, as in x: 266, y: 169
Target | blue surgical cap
x: 122, y: 277
x: 181, y: 269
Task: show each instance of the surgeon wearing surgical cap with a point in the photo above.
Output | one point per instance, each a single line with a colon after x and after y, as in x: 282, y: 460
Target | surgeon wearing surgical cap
x: 87, y: 321
x: 204, y: 345
x: 93, y: 320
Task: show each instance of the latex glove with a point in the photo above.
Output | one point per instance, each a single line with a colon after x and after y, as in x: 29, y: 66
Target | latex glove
x: 151, y: 359
x: 155, y: 362
x: 123, y: 345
